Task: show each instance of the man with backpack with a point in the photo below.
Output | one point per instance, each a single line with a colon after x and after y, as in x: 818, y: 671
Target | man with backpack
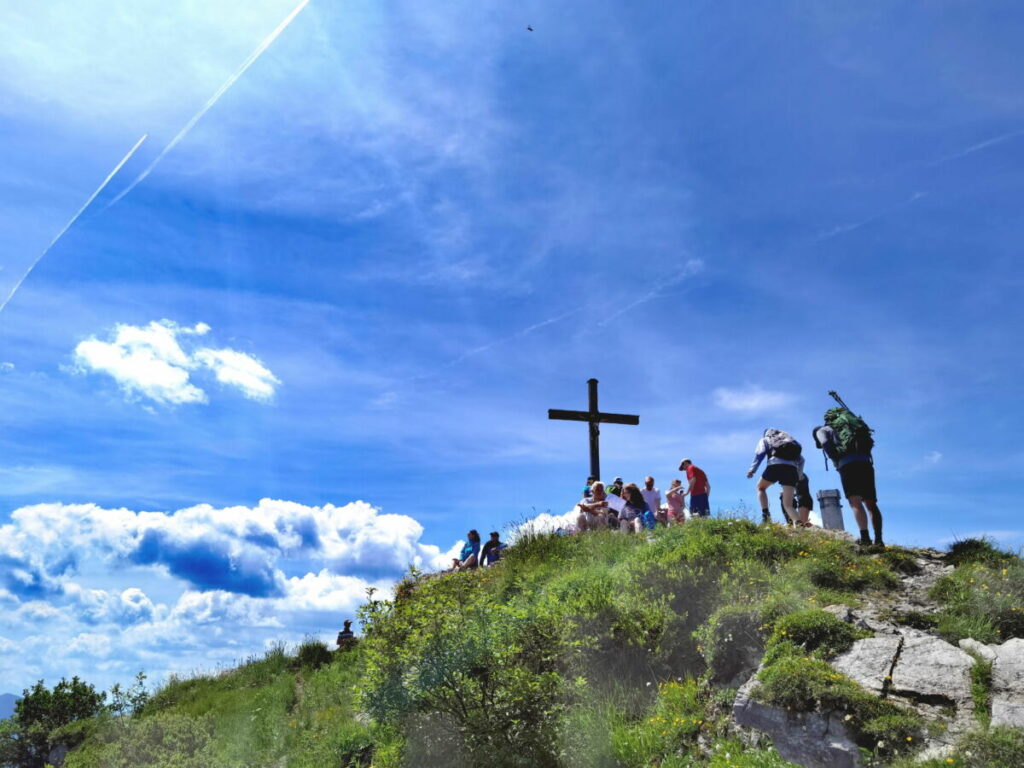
x: 785, y: 458
x: 846, y: 440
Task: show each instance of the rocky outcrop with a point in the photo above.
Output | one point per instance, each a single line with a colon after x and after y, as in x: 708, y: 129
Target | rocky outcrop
x: 1007, y: 679
x: 806, y: 738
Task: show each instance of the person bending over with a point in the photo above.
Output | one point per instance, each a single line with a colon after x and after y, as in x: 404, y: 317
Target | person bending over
x: 784, y: 456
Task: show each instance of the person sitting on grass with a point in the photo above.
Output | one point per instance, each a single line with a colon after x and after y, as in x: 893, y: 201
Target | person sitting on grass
x: 593, y: 511
x: 491, y: 552
x: 652, y: 496
x: 674, y: 499
x: 631, y: 517
x: 469, y: 558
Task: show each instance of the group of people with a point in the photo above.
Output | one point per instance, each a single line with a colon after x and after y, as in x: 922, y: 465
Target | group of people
x: 627, y: 507
x: 473, y: 555
x: 844, y: 438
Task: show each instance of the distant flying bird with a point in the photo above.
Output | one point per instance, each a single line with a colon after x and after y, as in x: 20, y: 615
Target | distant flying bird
x: 529, y: 28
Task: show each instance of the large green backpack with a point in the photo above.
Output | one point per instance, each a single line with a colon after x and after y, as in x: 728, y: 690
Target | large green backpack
x: 853, y: 435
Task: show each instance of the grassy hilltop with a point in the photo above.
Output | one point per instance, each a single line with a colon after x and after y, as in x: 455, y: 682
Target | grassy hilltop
x: 584, y: 651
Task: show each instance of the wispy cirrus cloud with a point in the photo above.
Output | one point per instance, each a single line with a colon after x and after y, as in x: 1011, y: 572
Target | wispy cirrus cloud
x: 157, y: 362
x: 751, y: 399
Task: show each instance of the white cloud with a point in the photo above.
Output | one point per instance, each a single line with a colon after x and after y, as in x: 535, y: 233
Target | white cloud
x: 6, y: 367
x: 240, y: 370
x: 152, y: 362
x: 751, y: 399
x: 194, y: 587
x: 933, y: 458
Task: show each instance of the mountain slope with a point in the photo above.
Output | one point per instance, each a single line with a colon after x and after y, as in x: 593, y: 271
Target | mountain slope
x: 616, y: 650
x: 7, y: 702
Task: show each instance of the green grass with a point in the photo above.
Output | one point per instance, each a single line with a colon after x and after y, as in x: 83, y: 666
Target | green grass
x: 982, y: 600
x: 591, y: 651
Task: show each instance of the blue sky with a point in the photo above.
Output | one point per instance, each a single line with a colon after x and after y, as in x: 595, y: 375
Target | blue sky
x: 318, y: 341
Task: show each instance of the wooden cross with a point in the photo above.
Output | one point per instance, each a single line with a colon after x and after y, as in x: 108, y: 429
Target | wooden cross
x: 593, y: 417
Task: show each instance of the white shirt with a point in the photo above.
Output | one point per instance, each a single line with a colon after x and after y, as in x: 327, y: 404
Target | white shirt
x: 652, y: 497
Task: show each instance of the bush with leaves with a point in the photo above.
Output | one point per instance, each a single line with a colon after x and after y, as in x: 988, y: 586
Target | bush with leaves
x: 25, y: 740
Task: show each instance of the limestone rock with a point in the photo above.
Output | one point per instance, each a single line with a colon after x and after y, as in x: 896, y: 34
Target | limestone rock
x: 870, y: 661
x: 1008, y: 684
x: 808, y: 739
x: 931, y: 669
x: 970, y: 645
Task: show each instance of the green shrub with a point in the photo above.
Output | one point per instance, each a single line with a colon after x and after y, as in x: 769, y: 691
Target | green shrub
x: 981, y: 690
x: 732, y: 642
x: 815, y: 630
x: 811, y: 685
x: 1000, y: 747
x: 980, y: 551
x: 163, y: 740
x: 667, y: 732
x: 313, y: 654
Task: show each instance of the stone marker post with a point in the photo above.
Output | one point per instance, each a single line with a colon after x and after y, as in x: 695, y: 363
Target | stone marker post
x: 831, y: 510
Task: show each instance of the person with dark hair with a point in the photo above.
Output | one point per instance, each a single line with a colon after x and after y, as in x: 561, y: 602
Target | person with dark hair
x: 631, y: 518
x: 491, y: 552
x: 699, y: 489
x: 469, y: 558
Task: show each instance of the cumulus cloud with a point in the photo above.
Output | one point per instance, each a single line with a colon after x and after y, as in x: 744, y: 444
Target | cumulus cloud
x: 240, y: 370
x: 194, y: 587
x: 751, y: 399
x: 158, y: 362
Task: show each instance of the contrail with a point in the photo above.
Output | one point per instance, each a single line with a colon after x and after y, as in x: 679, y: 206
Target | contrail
x: 268, y: 40
x: 73, y: 219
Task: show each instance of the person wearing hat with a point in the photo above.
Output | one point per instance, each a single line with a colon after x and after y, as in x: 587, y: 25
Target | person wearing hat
x: 615, y: 487
x: 346, y: 638
x: 699, y: 489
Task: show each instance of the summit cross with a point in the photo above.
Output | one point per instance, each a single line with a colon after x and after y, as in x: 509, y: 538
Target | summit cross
x: 593, y: 417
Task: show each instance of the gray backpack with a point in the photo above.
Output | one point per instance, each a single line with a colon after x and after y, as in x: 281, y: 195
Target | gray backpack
x: 782, y: 445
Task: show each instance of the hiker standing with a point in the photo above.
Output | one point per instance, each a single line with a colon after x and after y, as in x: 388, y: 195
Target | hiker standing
x: 784, y: 456
x: 652, y: 496
x: 803, y: 500
x: 846, y: 440
x: 699, y: 489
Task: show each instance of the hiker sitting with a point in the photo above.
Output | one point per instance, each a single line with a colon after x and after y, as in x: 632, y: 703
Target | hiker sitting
x: 491, y: 552
x: 674, y: 499
x: 593, y: 511
x: 785, y: 458
x: 631, y: 516
x: 469, y: 558
x: 346, y: 638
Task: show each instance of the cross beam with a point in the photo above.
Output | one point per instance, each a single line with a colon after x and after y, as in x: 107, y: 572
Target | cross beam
x: 593, y: 416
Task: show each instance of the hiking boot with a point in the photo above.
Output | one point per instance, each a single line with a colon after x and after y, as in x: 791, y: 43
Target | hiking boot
x: 879, y: 544
x: 864, y: 542
x: 766, y: 519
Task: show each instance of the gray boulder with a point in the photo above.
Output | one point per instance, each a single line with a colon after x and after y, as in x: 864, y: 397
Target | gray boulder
x: 808, y: 739
x: 930, y: 669
x: 1008, y: 683
x: 982, y: 651
x: 869, y: 662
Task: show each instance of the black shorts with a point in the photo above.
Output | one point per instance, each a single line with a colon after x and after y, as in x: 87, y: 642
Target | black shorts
x: 804, y: 500
x: 783, y: 474
x: 859, y: 480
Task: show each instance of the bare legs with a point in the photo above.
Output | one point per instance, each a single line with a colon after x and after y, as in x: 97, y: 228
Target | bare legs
x: 788, y: 492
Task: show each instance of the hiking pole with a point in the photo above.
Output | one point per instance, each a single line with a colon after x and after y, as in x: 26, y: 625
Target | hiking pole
x: 838, y: 399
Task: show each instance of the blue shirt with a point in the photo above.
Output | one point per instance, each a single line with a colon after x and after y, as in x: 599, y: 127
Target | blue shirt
x: 471, y: 548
